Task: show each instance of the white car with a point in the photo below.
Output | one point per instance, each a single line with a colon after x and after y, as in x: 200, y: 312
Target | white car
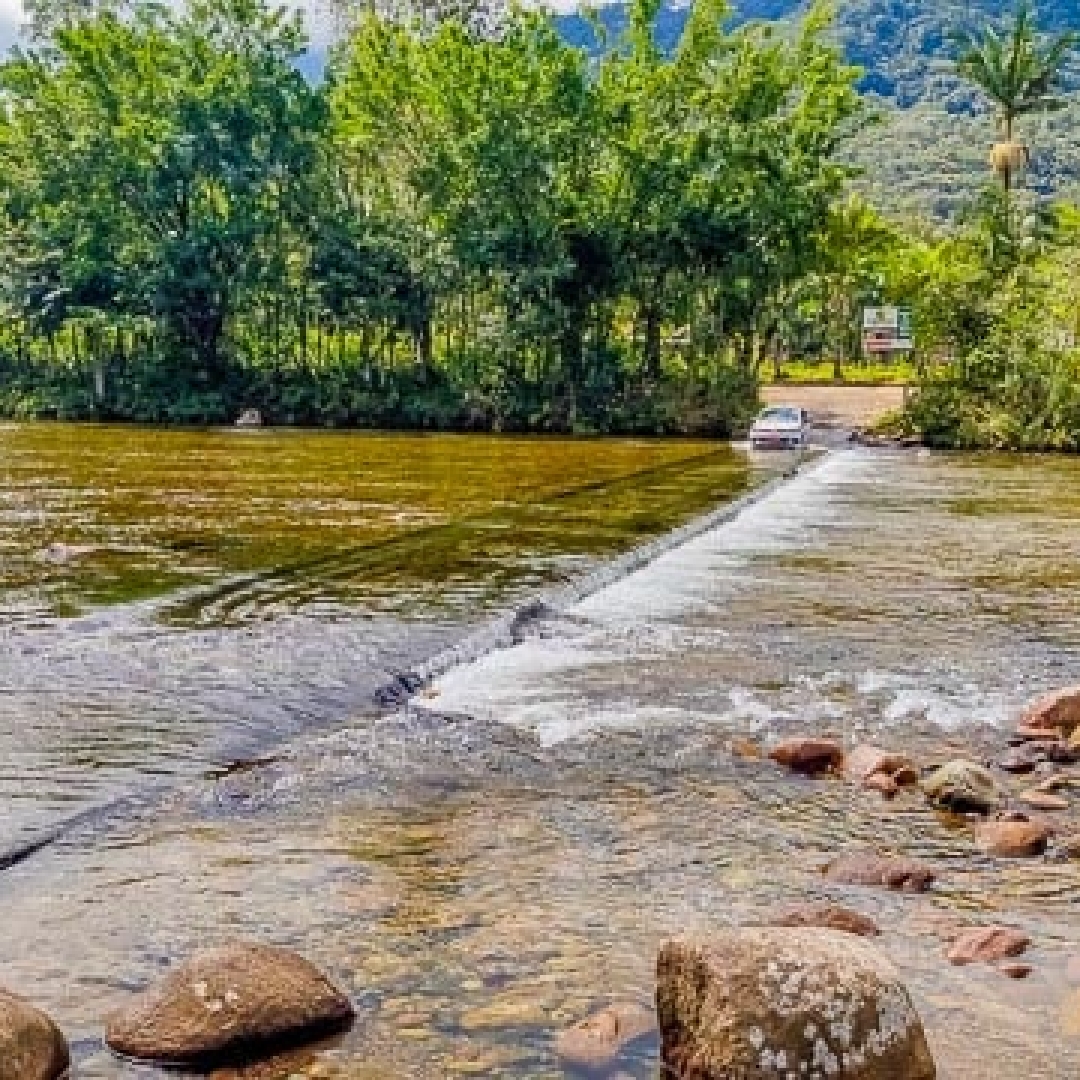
x: 780, y: 427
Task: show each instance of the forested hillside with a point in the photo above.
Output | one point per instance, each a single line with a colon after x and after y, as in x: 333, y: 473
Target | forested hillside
x: 929, y: 150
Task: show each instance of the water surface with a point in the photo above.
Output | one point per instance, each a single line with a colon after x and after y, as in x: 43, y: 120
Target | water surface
x: 490, y: 865
x: 170, y: 600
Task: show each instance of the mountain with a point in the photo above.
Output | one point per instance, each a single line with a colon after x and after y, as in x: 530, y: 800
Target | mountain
x: 929, y: 151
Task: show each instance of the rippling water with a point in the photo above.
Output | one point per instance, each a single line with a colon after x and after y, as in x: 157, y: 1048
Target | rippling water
x: 172, y: 599
x: 491, y: 864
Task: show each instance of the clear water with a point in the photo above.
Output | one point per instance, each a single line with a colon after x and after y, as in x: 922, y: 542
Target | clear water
x: 508, y: 854
x: 171, y: 600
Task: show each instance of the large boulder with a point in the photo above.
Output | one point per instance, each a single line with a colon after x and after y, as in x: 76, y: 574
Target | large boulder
x: 964, y: 787
x: 31, y: 1046
x: 1057, y: 711
x: 769, y: 1004
x: 232, y: 1002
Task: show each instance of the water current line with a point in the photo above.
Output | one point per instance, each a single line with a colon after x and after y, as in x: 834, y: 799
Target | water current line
x: 503, y: 632
x: 337, y: 564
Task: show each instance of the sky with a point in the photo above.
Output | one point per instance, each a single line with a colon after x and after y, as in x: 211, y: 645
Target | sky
x: 11, y: 18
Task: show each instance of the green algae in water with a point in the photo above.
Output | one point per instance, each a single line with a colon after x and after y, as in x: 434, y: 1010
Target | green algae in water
x: 222, y: 527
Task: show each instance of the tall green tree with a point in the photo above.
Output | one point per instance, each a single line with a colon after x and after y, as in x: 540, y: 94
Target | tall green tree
x: 154, y: 165
x: 1019, y: 72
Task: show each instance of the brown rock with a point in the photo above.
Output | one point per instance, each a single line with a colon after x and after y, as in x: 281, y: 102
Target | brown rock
x: 769, y: 1003
x: 238, y: 1000
x: 1015, y: 971
x: 1059, y: 711
x: 866, y: 761
x: 867, y: 868
x: 809, y: 755
x: 1022, y: 759
x: 882, y: 783
x: 987, y: 945
x: 1013, y: 839
x: 1042, y: 800
x: 31, y: 1046
x: 1068, y: 847
x: 828, y: 917
x: 596, y: 1041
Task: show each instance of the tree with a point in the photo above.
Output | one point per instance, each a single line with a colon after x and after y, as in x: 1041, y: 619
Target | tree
x: 45, y: 17
x: 494, y: 228
x: 1019, y: 73
x: 153, y: 165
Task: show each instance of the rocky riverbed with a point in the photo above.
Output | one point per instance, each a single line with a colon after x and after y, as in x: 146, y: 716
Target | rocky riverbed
x: 507, y: 858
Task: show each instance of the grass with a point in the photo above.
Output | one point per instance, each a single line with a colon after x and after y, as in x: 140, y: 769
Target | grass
x: 803, y: 371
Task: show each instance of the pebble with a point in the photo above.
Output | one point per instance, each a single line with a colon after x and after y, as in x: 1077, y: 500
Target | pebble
x: 987, y: 944
x: 1012, y: 839
x: 1015, y: 971
x: 809, y: 755
x: 907, y: 875
x: 1043, y: 800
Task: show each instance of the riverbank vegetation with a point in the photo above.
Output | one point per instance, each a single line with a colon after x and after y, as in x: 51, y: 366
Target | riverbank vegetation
x: 474, y: 222
x: 459, y: 227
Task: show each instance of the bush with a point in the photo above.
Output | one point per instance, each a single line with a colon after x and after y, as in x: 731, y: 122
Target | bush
x: 1005, y: 395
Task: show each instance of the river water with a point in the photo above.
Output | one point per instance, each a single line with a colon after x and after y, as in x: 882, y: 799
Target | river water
x: 507, y: 853
x: 171, y: 601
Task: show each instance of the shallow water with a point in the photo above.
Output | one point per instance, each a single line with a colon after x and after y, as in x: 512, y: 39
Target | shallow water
x: 506, y: 855
x: 170, y: 600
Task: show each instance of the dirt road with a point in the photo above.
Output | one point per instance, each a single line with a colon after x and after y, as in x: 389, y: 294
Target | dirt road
x: 837, y: 406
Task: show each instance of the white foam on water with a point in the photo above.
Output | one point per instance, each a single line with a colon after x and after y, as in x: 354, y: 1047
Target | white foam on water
x: 838, y: 600
x: 684, y: 580
x: 640, y: 617
x: 966, y: 704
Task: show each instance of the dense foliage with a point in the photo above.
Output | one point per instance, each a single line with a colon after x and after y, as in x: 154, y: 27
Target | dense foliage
x: 929, y: 153
x: 1010, y: 371
x: 453, y: 229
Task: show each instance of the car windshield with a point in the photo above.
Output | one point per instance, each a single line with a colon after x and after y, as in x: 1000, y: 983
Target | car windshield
x: 779, y: 416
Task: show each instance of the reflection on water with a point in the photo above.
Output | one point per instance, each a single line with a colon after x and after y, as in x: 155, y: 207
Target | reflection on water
x: 489, y: 866
x: 253, y: 525
x: 170, y: 599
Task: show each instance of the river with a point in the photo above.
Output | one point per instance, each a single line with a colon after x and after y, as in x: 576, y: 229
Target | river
x: 171, y: 601
x: 486, y: 866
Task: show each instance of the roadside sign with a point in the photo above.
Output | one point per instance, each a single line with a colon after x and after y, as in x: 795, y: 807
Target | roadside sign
x: 887, y: 330
x: 881, y: 318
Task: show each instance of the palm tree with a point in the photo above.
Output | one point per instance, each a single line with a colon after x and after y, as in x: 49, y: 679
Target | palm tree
x: 1019, y: 72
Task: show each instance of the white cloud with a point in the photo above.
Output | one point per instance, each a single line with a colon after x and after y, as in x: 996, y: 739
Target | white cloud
x: 10, y: 20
